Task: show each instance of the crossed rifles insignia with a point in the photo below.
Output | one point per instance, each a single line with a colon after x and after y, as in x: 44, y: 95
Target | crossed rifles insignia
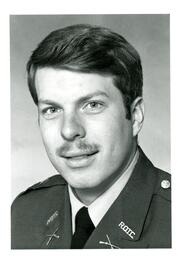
x: 51, y: 236
x: 108, y: 242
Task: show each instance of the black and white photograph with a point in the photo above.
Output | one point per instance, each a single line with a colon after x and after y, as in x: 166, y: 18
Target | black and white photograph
x: 90, y: 131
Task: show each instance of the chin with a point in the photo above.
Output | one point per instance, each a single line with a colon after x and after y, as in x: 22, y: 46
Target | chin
x: 80, y: 179
x: 80, y: 183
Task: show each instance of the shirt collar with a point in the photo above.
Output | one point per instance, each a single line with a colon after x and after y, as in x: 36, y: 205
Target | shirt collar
x: 100, y: 206
x: 76, y: 205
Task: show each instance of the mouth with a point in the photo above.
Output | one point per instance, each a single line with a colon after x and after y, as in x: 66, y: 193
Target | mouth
x: 79, y: 155
x: 78, y: 160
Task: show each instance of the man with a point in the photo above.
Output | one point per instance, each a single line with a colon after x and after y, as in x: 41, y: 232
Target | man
x: 87, y: 84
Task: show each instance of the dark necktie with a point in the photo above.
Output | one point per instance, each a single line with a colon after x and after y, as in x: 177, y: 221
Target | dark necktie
x: 84, y: 228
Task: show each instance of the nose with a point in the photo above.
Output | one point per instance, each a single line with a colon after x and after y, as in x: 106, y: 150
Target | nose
x: 72, y: 127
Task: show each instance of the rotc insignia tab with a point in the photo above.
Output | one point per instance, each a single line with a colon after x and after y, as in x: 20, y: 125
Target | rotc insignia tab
x: 126, y: 229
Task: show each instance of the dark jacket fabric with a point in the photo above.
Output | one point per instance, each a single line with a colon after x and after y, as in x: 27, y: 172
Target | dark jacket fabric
x: 139, y: 218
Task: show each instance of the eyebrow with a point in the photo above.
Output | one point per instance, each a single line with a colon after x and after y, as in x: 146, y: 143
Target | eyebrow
x: 82, y: 99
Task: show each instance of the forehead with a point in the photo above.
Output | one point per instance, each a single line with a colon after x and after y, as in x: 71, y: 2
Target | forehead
x: 57, y: 83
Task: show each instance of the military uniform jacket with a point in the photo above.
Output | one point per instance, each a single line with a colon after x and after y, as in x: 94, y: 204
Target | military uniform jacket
x: 139, y: 218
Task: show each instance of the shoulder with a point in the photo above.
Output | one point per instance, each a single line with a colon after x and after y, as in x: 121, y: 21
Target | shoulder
x: 160, y: 207
x: 37, y: 190
x: 49, y: 182
x: 32, y: 209
x: 158, y: 218
x: 163, y: 185
x: 160, y: 179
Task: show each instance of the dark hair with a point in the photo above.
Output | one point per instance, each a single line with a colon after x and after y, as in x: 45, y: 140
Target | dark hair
x: 90, y: 49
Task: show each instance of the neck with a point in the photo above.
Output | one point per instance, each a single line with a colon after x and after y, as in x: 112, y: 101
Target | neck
x: 88, y: 195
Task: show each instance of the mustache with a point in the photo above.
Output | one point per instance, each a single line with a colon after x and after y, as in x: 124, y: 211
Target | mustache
x: 82, y: 146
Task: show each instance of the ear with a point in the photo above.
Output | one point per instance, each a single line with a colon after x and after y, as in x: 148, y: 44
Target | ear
x: 137, y: 115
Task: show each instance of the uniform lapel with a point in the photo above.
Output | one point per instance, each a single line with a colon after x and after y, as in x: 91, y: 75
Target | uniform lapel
x: 123, y: 223
x: 57, y: 230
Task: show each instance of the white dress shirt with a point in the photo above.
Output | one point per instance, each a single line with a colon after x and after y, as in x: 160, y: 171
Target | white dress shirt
x: 98, y: 208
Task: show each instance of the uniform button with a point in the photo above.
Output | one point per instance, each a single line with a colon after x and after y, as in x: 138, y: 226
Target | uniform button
x: 165, y: 184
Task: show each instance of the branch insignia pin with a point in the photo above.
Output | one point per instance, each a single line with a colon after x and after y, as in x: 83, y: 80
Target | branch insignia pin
x: 108, y: 242
x: 52, y: 236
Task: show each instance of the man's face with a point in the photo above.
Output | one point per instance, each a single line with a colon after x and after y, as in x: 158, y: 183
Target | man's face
x: 83, y: 125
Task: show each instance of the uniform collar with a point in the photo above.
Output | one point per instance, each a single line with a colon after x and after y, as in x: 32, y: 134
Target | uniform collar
x: 101, y: 205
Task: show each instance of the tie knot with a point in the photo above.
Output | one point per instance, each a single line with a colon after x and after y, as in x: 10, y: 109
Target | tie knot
x: 83, y: 219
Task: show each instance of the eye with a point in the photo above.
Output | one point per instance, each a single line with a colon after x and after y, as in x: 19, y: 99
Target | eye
x: 93, y: 107
x: 50, y: 112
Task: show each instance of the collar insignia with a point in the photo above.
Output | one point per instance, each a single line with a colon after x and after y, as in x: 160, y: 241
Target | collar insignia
x: 51, y: 236
x: 108, y: 242
x: 126, y: 229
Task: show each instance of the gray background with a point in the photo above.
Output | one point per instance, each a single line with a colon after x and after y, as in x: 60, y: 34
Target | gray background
x: 150, y: 36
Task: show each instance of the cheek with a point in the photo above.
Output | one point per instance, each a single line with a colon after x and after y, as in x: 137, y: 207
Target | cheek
x: 49, y: 135
x: 115, y: 139
x: 111, y: 131
x: 118, y: 145
x: 119, y: 139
